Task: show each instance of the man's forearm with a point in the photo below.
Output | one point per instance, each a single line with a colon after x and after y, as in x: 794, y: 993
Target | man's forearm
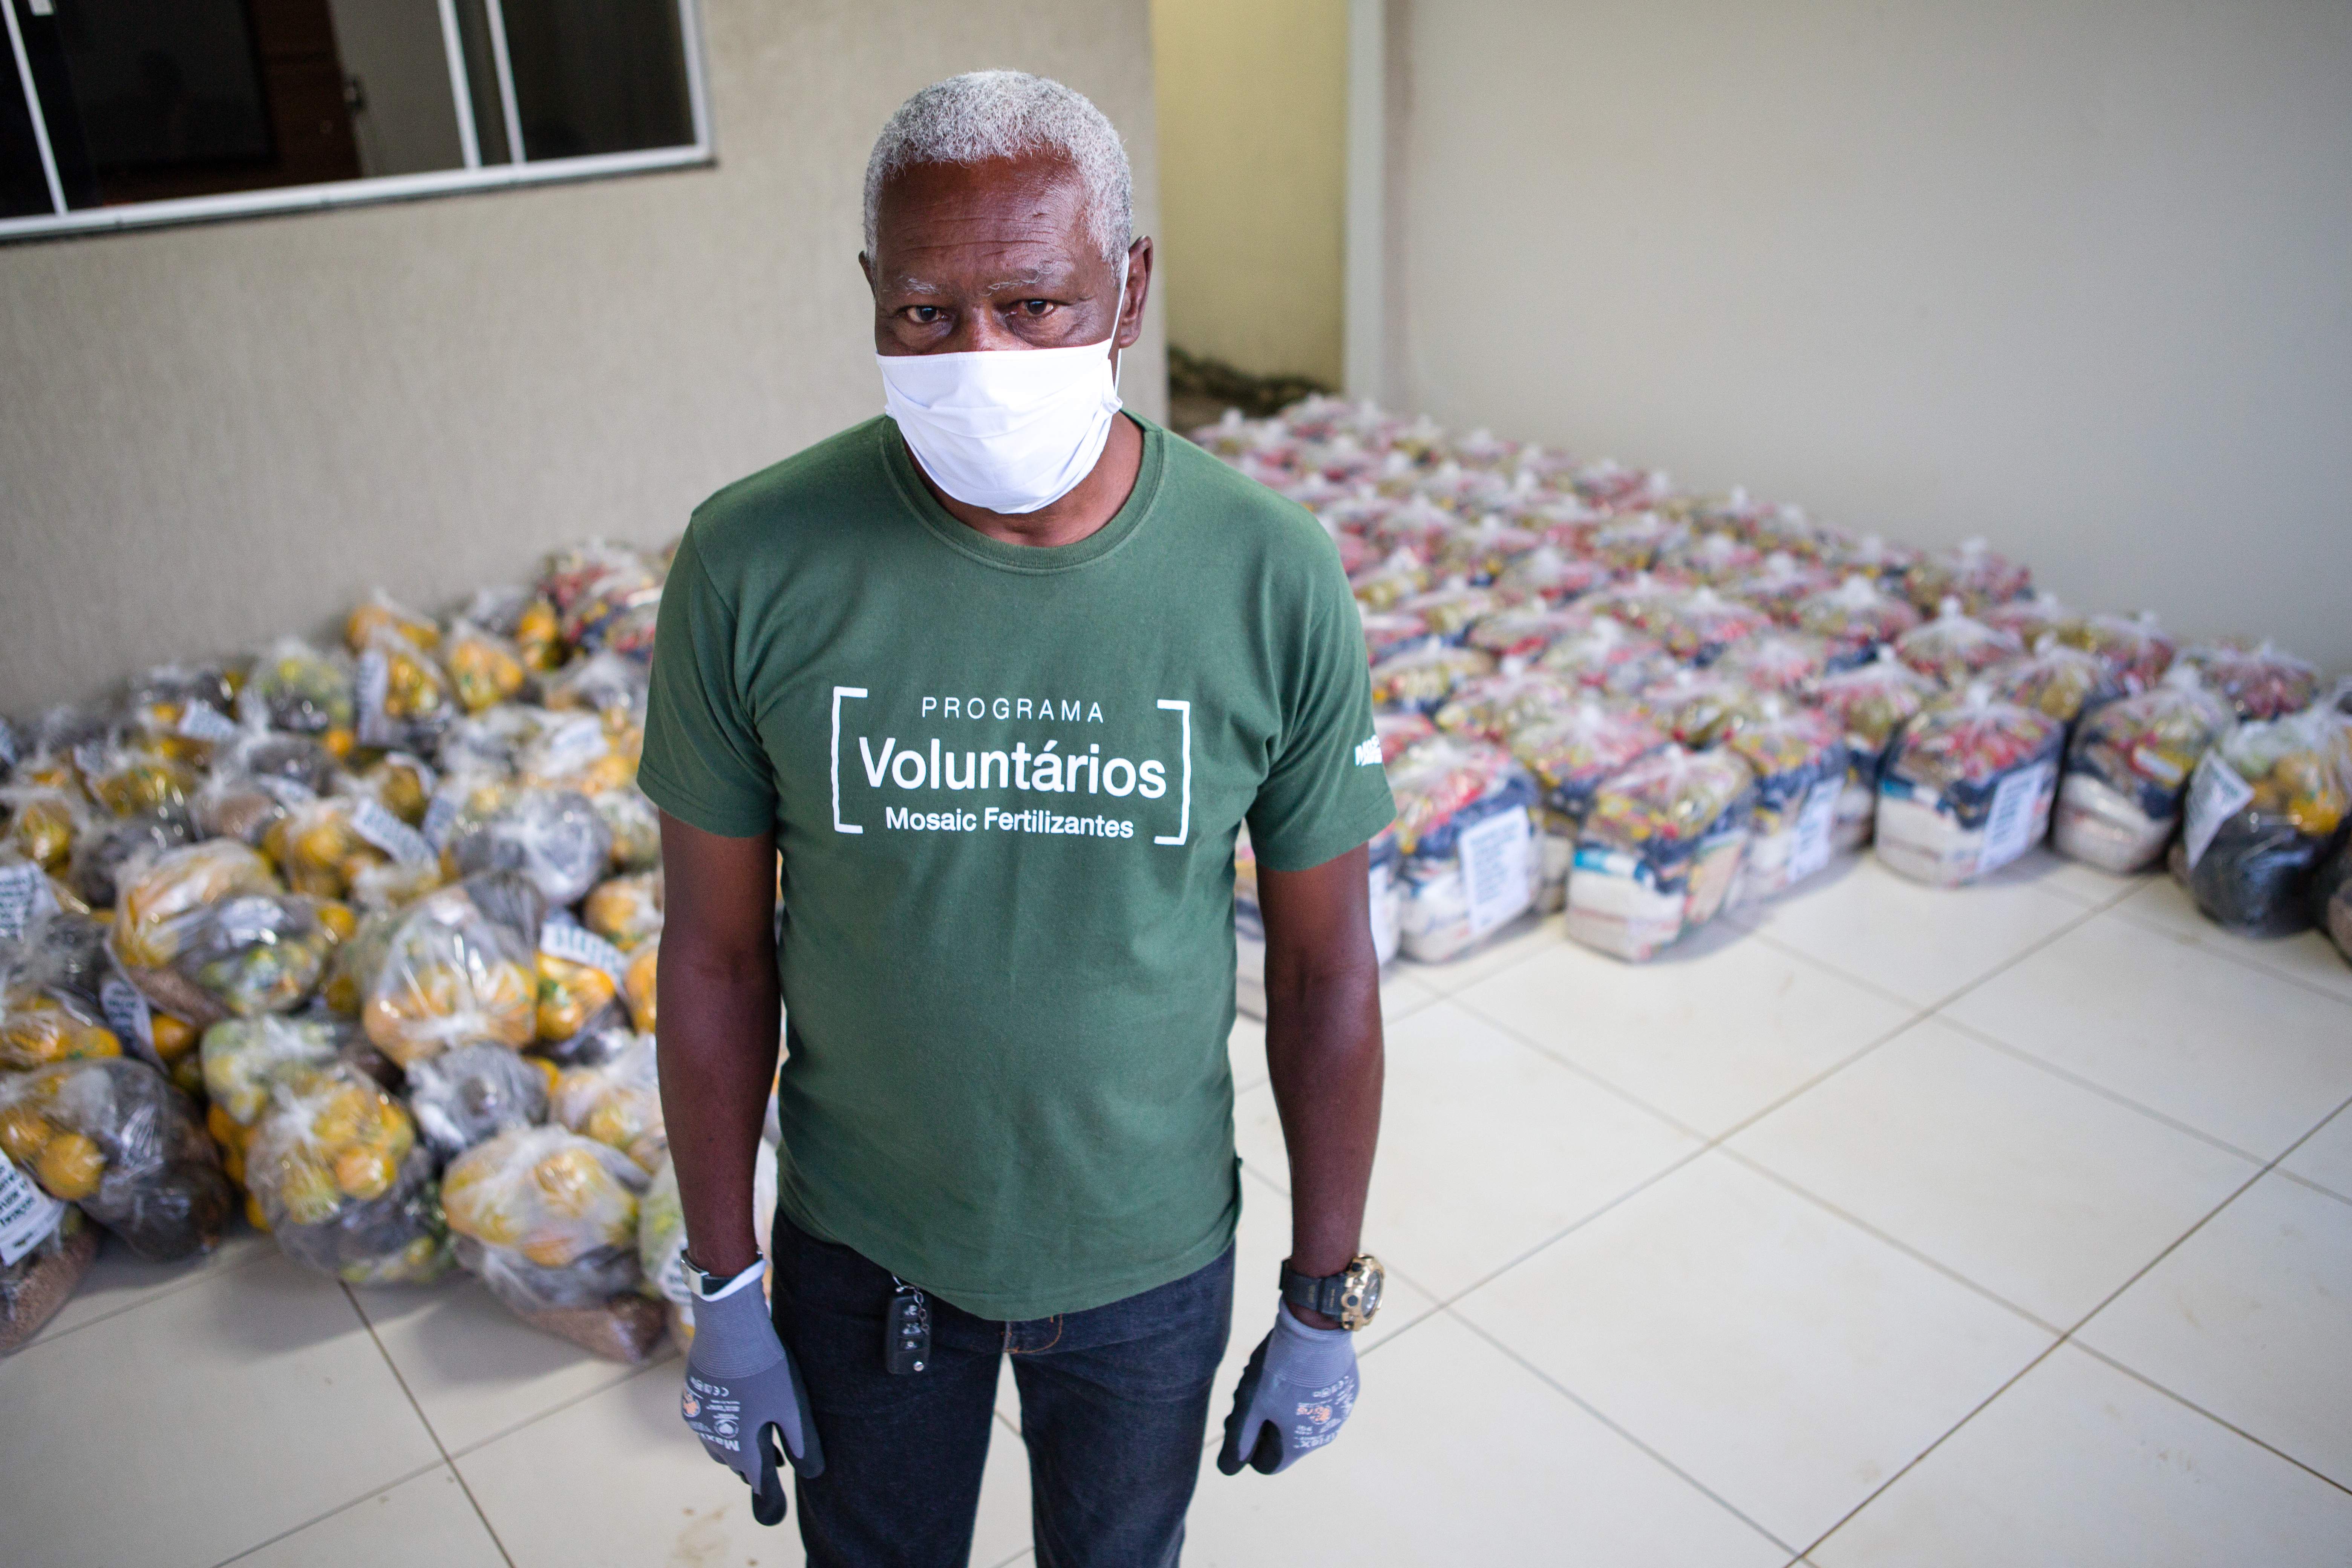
x: 1323, y: 1051
x: 718, y: 1053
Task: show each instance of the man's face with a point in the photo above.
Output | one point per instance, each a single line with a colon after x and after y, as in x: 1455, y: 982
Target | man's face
x: 993, y: 255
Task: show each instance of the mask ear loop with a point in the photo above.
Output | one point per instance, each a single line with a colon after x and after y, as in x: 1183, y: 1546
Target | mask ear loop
x: 1119, y: 314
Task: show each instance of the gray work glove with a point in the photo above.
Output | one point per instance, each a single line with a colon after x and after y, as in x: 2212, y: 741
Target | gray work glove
x: 743, y: 1395
x: 1294, y: 1396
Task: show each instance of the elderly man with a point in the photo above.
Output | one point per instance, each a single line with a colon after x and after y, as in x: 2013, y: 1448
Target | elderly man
x: 1001, y: 674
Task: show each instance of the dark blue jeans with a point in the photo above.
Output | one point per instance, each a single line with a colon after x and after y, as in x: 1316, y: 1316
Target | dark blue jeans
x: 1114, y: 1408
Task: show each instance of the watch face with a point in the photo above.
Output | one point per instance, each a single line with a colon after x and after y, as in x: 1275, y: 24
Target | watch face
x: 1362, y: 1299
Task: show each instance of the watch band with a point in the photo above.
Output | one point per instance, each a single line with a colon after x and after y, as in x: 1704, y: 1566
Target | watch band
x: 1350, y: 1296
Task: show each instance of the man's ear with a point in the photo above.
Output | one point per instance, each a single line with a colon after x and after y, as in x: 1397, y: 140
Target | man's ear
x: 866, y: 265
x: 1138, y: 293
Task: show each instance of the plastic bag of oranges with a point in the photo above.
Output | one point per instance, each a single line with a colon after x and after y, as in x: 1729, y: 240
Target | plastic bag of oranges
x: 335, y: 1167
x: 454, y: 973
x: 547, y: 1217
x: 113, y: 1136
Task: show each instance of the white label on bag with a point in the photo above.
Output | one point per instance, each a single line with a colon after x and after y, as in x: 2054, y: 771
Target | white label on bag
x: 1495, y: 877
x: 288, y: 792
x: 2216, y: 793
x: 129, y: 1015
x: 370, y: 683
x: 1815, y: 823
x: 203, y: 722
x: 24, y: 895
x: 2008, y: 826
x: 380, y: 827
x: 28, y: 1215
x: 441, y: 820
x: 578, y: 944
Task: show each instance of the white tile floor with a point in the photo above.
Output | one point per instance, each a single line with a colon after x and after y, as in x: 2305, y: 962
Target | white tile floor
x: 2007, y: 1226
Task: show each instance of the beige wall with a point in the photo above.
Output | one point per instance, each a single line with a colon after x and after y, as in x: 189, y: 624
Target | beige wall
x: 212, y: 434
x: 1252, y: 170
x: 2075, y: 275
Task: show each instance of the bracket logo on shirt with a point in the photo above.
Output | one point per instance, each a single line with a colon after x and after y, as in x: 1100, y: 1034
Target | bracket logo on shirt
x: 977, y: 764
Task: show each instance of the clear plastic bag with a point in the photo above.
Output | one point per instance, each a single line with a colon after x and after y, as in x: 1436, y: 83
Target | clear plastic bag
x: 44, y: 821
x: 1871, y: 701
x: 243, y: 1059
x: 167, y: 899
x: 1774, y: 660
x: 1388, y: 632
x: 554, y: 837
x: 471, y: 1093
x: 1450, y: 609
x: 2126, y: 770
x: 2032, y: 618
x: 606, y: 597
x: 1552, y: 575
x: 454, y: 973
x: 1781, y: 583
x: 638, y: 983
x: 484, y: 669
x: 334, y: 1166
x: 1855, y: 616
x: 1496, y: 707
x: 1968, y: 788
x: 1974, y: 573
x: 295, y: 687
x: 2062, y: 681
x: 1659, y: 851
x: 546, y: 1217
x: 401, y: 695
x: 1799, y: 757
x: 635, y: 825
x: 2134, y: 647
x: 1609, y: 658
x: 575, y: 992
x: 1954, y: 647
x: 1873, y: 557
x: 380, y: 613
x: 625, y: 910
x: 1519, y: 634
x: 112, y: 844
x: 2266, y: 806
x: 1698, y: 626
x: 1698, y: 707
x: 1422, y: 678
x: 113, y: 1137
x: 131, y: 779
x: 2259, y: 681
x: 1391, y: 579
x: 1574, y: 753
x: 1715, y: 558
x: 615, y: 1098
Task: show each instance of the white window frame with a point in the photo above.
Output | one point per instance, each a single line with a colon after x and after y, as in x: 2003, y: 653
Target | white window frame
x: 476, y: 175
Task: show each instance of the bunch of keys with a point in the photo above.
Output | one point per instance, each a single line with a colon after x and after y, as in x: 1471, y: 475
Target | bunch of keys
x: 906, y: 1329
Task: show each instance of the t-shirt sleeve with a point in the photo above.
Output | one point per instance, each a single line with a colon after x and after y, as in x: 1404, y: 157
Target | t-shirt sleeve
x: 1326, y: 792
x: 703, y: 762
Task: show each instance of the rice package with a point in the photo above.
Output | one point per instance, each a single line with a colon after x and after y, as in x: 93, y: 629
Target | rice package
x: 1659, y: 851
x: 1469, y: 862
x: 1968, y: 788
x: 1799, y: 757
x: 1954, y: 647
x: 2265, y: 808
x: 336, y: 1169
x: 111, y: 1135
x: 2127, y: 768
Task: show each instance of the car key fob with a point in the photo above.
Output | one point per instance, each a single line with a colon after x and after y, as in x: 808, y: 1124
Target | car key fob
x: 906, y: 1331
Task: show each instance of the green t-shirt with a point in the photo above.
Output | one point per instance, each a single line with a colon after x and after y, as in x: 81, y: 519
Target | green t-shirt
x: 1005, y: 782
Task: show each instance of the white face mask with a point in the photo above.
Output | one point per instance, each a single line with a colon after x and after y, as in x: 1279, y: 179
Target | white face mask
x: 1011, y: 430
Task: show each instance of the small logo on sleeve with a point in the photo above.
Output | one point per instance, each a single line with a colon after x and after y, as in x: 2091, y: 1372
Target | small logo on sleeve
x: 1368, y: 755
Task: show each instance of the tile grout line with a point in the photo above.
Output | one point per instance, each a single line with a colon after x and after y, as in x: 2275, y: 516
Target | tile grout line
x: 244, y: 1552
x: 160, y: 1293
x: 425, y: 1421
x: 2243, y: 960
x: 1899, y: 1245
x: 2320, y: 1187
x: 503, y: 1433
x: 2147, y: 1382
x: 2113, y: 1096
x: 1574, y: 1398
x: 2068, y: 1337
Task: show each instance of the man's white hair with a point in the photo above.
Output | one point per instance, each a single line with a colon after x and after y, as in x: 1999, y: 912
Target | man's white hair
x: 1002, y: 114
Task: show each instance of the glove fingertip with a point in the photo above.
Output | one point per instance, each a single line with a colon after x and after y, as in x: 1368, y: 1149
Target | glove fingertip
x: 1266, y: 1458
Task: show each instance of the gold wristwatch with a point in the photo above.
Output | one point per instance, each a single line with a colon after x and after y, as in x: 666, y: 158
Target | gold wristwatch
x: 1352, y: 1296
